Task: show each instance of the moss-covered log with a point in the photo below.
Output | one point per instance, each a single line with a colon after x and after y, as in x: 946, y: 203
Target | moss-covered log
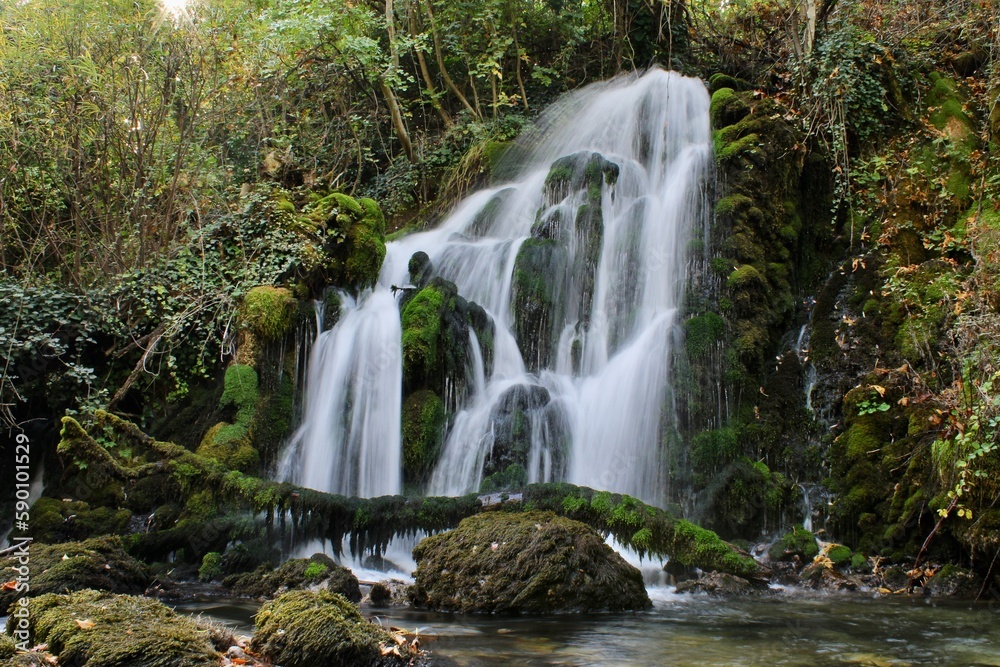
x: 370, y: 523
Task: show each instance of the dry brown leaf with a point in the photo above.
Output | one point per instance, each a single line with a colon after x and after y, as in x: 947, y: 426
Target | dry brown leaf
x: 879, y: 389
x: 85, y: 624
x: 10, y: 585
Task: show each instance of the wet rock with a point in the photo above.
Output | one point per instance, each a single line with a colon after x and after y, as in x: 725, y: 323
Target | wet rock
x: 379, y: 595
x: 306, y: 629
x: 420, y: 268
x: 522, y: 412
x: 317, y: 571
x: 798, y: 543
x: 533, y: 562
x: 722, y: 584
x: 821, y: 576
x: 953, y: 581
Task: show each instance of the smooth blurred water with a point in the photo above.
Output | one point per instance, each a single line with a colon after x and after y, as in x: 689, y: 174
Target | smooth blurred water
x: 792, y: 628
x: 612, y: 321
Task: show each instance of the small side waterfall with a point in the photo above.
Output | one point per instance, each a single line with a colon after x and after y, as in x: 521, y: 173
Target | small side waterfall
x: 580, y: 262
x: 349, y: 441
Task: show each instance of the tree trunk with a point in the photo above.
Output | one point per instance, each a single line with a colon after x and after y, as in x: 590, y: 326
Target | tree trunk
x: 440, y: 61
x: 425, y: 73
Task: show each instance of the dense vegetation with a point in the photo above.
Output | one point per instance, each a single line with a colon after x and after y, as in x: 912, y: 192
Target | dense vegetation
x: 176, y: 187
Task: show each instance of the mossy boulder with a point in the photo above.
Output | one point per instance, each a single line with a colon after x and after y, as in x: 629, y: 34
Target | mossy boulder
x: 721, y: 584
x: 423, y: 432
x: 520, y: 411
x: 269, y: 312
x: 954, y: 581
x: 7, y: 647
x: 532, y: 562
x: 797, y: 543
x: 99, y: 563
x: 305, y: 629
x: 435, y: 323
x: 420, y: 268
x: 99, y: 629
x: 319, y: 570
x: 347, y: 238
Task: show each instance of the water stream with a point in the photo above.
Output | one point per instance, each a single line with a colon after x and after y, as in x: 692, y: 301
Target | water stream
x: 634, y: 155
x: 790, y: 628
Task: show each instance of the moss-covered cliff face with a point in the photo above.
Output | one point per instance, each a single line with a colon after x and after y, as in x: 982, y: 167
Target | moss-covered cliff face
x: 772, y: 230
x: 904, y: 336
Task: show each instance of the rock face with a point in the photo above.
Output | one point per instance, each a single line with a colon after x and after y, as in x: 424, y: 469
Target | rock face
x: 307, y: 629
x: 534, y: 562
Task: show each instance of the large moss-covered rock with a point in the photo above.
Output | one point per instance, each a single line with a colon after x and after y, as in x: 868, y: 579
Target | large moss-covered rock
x: 99, y: 629
x: 306, y: 629
x: 319, y: 570
x: 99, y: 563
x: 555, y: 270
x: 435, y: 322
x: 232, y: 444
x: 796, y: 543
x: 533, y: 562
x: 54, y: 520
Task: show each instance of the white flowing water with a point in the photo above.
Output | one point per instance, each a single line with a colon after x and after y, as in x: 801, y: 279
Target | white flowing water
x: 613, y: 321
x: 349, y: 441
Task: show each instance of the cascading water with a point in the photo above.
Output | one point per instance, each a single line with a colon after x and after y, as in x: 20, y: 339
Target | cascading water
x: 580, y: 262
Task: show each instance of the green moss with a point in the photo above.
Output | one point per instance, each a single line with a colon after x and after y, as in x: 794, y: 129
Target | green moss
x: 858, y: 561
x: 269, y: 312
x: 266, y: 581
x: 702, y: 333
x: 422, y: 432
x: 711, y: 450
x: 211, y: 566
x: 530, y: 562
x: 99, y: 563
x: 125, y: 631
x: 7, y: 647
x: 839, y: 554
x: 421, y: 321
x: 797, y: 543
x: 745, y: 276
x: 54, y: 520
x: 240, y: 390
x: 514, y: 477
x: 304, y: 629
x: 733, y: 204
x: 727, y: 107
x: 737, y: 148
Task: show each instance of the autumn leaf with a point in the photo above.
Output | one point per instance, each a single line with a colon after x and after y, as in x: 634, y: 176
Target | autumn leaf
x: 85, y: 624
x: 9, y: 586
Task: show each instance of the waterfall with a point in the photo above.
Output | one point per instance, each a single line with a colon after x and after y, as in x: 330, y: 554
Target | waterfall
x: 349, y: 441
x: 580, y: 261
